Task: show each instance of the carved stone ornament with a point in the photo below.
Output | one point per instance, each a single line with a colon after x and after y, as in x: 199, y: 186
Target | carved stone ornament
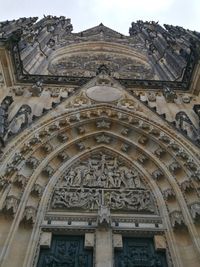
x: 20, y: 180
x: 11, y: 204
x: 159, y: 152
x: 186, y: 186
x: 157, y: 174
x: 195, y: 210
x: 10, y: 169
x: 102, y: 180
x: 196, y: 175
x: 63, y: 155
x: 142, y: 159
x: 176, y: 218
x: 32, y: 162
x: 104, y: 216
x: 103, y: 139
x: 169, y: 94
x: 168, y: 193
x: 103, y: 124
x: 30, y: 214
x: 48, y: 171
x: 37, y: 189
x: 3, y: 182
x: 174, y: 167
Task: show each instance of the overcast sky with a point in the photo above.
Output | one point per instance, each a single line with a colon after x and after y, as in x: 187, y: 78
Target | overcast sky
x: 117, y: 14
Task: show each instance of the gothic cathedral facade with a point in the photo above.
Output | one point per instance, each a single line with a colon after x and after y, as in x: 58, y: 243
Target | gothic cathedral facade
x: 99, y: 145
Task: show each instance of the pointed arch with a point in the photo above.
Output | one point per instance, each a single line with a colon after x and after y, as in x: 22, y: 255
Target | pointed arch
x: 44, y: 152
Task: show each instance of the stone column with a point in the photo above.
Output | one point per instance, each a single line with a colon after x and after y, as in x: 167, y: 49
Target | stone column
x: 104, y: 249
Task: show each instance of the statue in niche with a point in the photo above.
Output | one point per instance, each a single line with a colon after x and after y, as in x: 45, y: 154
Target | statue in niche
x: 20, y: 120
x: 5, y: 104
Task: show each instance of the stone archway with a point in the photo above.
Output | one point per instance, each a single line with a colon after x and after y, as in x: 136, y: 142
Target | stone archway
x: 38, y: 157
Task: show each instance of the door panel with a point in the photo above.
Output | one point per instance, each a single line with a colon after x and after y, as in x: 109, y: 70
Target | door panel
x: 139, y: 252
x: 66, y: 251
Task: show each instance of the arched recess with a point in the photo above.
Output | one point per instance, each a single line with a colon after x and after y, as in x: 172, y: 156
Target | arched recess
x: 37, y: 158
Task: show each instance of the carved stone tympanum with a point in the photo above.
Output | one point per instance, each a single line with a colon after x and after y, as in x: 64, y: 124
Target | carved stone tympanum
x: 101, y: 181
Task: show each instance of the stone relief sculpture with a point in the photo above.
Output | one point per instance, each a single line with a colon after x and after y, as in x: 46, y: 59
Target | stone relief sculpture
x: 20, y: 120
x: 102, y: 181
x: 7, y: 101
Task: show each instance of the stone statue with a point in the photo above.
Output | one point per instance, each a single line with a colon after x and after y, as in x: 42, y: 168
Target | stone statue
x: 5, y: 104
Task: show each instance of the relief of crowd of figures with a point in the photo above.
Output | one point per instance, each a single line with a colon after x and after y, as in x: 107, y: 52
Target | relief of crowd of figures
x: 102, y: 180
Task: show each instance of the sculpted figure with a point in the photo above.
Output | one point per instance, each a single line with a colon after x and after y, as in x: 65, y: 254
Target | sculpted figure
x: 7, y: 101
x: 20, y: 120
x: 70, y: 177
